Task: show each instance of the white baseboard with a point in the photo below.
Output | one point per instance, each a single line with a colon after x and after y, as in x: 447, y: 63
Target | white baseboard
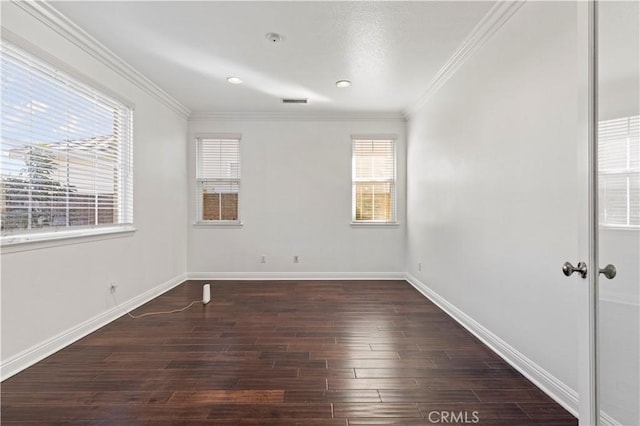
x: 548, y: 383
x: 252, y: 276
x: 30, y: 356
x: 556, y: 389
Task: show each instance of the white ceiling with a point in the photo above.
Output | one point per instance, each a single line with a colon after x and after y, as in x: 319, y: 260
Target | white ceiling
x: 389, y: 50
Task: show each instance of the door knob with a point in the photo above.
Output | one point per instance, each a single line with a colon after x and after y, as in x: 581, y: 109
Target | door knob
x: 609, y: 271
x: 569, y: 269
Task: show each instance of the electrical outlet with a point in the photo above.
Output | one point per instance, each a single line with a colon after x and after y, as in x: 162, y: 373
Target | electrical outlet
x: 296, y: 259
x: 113, y: 287
x: 263, y: 259
x: 419, y: 266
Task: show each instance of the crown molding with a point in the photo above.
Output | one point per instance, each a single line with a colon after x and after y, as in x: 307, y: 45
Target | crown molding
x: 288, y: 116
x: 495, y: 18
x: 52, y: 18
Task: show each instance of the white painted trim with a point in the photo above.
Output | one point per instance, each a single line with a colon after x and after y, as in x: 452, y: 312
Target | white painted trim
x: 627, y: 228
x: 548, y: 383
x: 228, y: 224
x: 214, y: 135
x: 375, y: 136
x: 365, y: 224
x: 42, y: 55
x: 282, y: 276
x: 62, y: 237
x: 308, y: 116
x: 32, y: 355
x: 500, y: 13
x: 52, y: 18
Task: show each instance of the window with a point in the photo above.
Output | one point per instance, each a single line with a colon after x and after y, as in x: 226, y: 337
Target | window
x: 66, y: 153
x: 218, y: 180
x: 374, y: 181
x: 619, y: 172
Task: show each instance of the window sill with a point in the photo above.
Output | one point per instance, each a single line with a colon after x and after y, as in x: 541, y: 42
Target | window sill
x: 218, y: 224
x: 375, y: 224
x: 41, y: 240
x: 620, y: 227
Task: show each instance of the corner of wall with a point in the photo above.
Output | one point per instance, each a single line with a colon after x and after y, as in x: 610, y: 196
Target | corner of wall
x: 546, y: 381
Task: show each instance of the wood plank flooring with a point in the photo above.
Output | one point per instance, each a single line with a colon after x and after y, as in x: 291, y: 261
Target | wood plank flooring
x: 280, y: 353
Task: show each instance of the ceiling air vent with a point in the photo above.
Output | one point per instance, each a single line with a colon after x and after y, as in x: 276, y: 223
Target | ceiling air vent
x: 294, y: 101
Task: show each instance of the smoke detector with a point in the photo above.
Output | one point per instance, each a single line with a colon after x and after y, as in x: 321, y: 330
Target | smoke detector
x: 274, y: 38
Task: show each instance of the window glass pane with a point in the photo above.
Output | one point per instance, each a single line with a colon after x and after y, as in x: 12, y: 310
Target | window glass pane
x: 217, y: 206
x: 374, y: 160
x: 613, y: 190
x: 374, y: 180
x: 612, y: 144
x: 66, y: 150
x: 619, y: 171
x: 219, y: 159
x: 218, y: 174
x: 373, y: 201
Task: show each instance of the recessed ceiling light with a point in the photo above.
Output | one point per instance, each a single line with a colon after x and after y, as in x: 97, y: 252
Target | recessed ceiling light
x: 234, y: 80
x: 343, y: 83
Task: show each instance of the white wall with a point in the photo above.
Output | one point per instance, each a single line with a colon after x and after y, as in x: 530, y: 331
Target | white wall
x: 296, y: 200
x: 50, y: 290
x: 492, y: 187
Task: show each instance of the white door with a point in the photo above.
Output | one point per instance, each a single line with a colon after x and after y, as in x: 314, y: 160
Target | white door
x: 618, y: 139
x: 610, y: 151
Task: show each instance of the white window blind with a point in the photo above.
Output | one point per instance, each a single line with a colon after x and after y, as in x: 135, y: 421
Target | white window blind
x: 66, y: 151
x: 218, y: 180
x: 374, y: 181
x: 619, y: 172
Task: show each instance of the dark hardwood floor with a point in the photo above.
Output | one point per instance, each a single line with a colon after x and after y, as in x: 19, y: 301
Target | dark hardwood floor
x: 280, y: 353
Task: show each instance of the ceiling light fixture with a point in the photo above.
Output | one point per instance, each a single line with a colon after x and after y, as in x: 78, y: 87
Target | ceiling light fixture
x: 274, y: 38
x: 343, y: 83
x: 234, y: 80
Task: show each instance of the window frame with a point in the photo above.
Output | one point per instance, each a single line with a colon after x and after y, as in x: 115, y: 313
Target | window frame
x: 393, y: 221
x: 199, y: 221
x: 27, y: 239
